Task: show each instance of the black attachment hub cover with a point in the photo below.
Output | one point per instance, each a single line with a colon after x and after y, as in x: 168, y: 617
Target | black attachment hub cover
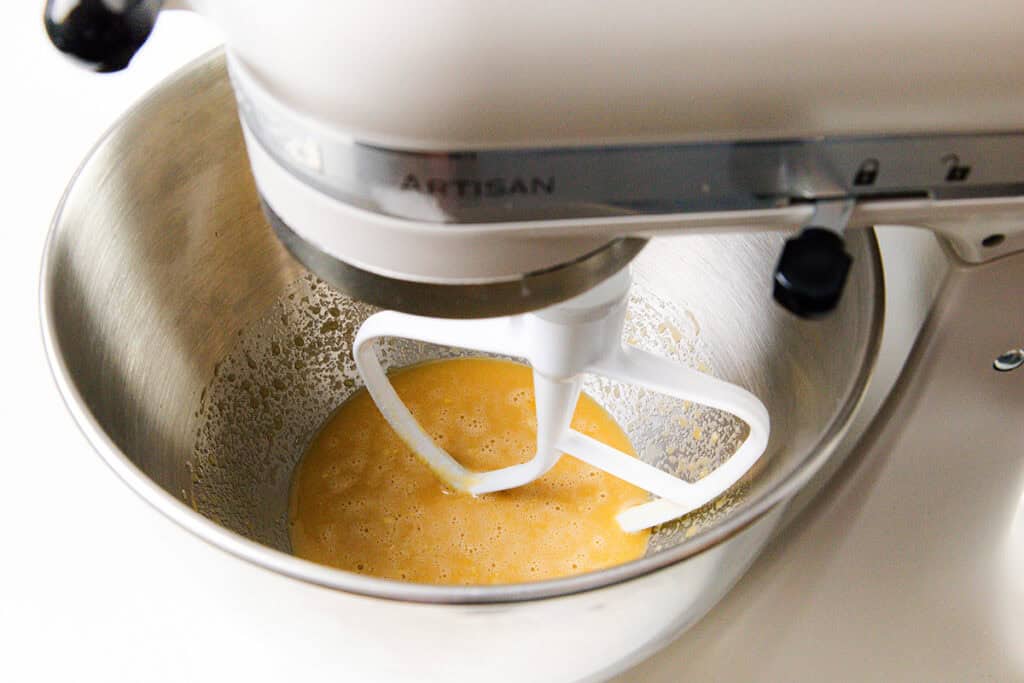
x: 103, y: 35
x: 811, y: 272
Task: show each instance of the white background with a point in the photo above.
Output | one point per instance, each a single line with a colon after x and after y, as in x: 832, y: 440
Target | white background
x: 95, y: 585
x: 74, y: 605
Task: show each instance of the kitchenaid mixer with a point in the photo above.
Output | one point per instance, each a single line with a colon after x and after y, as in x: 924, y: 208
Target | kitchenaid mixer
x: 877, y: 207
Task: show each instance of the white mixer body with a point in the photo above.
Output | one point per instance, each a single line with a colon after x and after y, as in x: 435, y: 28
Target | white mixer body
x: 434, y: 143
x: 455, y: 75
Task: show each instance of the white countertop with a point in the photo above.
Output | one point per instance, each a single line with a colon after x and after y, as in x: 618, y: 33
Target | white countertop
x: 97, y: 586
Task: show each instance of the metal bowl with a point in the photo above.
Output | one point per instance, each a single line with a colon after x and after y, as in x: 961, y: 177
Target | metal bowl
x: 162, y: 278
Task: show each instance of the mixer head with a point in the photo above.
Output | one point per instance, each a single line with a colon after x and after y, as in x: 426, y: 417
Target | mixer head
x: 448, y: 173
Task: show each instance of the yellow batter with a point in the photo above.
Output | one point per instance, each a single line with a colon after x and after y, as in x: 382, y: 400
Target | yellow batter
x: 362, y: 501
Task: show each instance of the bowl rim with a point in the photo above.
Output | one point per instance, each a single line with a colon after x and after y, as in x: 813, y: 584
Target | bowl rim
x: 210, y: 67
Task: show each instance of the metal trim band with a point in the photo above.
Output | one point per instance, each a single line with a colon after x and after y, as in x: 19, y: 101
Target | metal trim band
x: 586, y: 182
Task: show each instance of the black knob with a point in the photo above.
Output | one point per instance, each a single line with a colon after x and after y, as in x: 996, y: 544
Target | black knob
x: 811, y: 273
x: 102, y: 34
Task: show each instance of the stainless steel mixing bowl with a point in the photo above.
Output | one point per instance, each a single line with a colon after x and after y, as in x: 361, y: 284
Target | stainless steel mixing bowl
x: 199, y: 358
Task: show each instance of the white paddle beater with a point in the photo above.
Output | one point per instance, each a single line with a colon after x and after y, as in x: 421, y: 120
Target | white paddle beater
x: 562, y: 343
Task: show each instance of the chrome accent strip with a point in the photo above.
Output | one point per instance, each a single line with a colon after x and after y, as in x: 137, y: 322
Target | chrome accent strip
x: 586, y: 182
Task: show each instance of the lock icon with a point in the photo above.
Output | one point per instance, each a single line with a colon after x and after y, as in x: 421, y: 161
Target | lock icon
x: 867, y: 173
x: 955, y: 171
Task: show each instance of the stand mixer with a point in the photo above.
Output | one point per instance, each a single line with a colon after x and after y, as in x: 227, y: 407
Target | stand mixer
x: 409, y: 177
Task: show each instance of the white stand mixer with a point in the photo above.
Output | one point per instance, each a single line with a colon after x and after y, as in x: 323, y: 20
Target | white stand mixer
x: 460, y: 162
